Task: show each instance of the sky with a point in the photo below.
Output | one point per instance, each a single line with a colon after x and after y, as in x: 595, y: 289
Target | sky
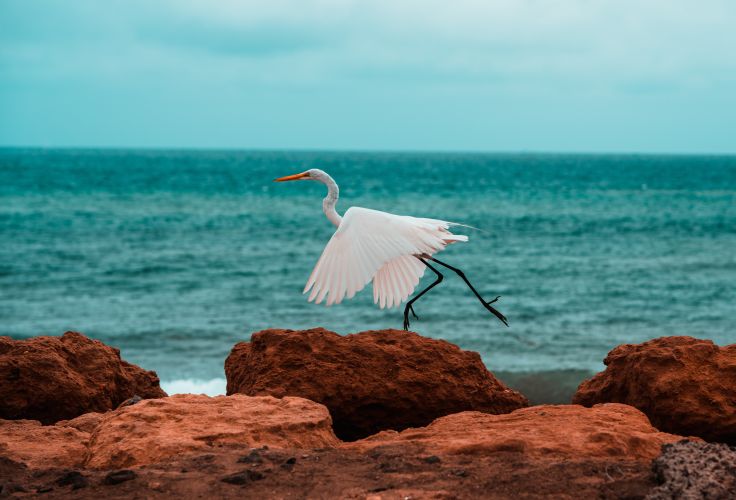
x: 462, y: 75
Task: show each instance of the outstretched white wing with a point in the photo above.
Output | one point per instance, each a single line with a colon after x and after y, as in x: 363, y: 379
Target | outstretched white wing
x: 396, y: 280
x: 372, y: 245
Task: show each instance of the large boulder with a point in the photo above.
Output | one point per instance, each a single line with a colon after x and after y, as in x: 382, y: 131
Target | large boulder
x: 56, y: 378
x: 547, y: 432
x: 684, y: 385
x: 159, y: 429
x: 41, y: 446
x: 370, y: 381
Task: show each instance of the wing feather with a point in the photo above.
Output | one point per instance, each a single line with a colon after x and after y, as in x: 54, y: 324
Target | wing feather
x: 378, y: 246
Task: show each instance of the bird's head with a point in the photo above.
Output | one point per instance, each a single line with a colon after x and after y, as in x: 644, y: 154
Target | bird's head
x: 313, y: 174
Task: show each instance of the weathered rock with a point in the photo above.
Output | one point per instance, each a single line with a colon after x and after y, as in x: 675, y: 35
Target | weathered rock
x: 85, y: 423
x: 609, y: 431
x: 157, y: 429
x: 466, y: 460
x: 242, y: 477
x: 42, y: 446
x: 695, y: 470
x: 57, y: 378
x: 685, y: 385
x: 73, y: 478
x: 370, y: 381
x: 119, y: 476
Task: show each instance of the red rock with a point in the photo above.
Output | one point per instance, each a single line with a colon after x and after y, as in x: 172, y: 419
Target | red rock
x: 85, y: 423
x: 370, y: 381
x: 42, y: 446
x: 57, y: 378
x: 158, y: 429
x: 191, y: 447
x: 564, y: 432
x: 683, y: 384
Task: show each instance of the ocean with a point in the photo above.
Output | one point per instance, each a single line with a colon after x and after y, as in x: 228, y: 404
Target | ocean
x: 174, y: 256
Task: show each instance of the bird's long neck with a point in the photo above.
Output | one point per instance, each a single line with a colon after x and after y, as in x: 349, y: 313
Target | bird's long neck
x: 328, y: 204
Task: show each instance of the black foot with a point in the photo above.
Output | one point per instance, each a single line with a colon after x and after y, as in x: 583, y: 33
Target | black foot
x: 411, y: 308
x: 494, y: 300
x: 495, y: 311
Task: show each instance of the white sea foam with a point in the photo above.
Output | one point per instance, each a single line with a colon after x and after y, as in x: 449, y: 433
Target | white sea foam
x: 213, y: 387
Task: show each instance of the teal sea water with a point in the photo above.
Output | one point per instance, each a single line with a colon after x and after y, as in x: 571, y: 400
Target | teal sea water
x: 174, y: 256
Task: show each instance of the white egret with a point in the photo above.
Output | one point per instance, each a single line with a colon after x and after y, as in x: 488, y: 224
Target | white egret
x: 390, y: 250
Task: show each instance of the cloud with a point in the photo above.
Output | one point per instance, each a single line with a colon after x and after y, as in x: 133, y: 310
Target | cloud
x: 531, y: 52
x: 501, y: 40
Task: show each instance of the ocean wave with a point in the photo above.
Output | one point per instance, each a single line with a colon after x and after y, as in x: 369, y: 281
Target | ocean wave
x: 212, y: 387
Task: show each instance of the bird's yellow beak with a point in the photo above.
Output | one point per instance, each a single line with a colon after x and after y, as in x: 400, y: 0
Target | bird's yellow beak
x: 294, y: 177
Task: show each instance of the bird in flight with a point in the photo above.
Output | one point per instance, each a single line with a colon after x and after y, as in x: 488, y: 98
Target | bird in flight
x: 390, y: 250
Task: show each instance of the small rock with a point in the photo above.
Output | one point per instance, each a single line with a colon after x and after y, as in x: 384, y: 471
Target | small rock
x: 460, y: 473
x: 130, y: 401
x: 378, y: 489
x: 243, y: 477
x: 119, y: 476
x: 434, y: 459
x: 254, y: 457
x: 73, y: 478
x: 254, y: 475
x: 236, y: 478
x: 289, y: 463
x: 44, y: 489
x: 155, y: 485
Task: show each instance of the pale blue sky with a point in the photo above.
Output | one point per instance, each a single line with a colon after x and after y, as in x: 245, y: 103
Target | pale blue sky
x: 512, y: 75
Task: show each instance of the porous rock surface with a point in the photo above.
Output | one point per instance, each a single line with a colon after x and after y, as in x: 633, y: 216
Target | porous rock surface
x: 39, y: 446
x: 85, y: 423
x: 157, y: 429
x: 150, y: 450
x: 684, y: 385
x: 691, y: 470
x: 56, y: 378
x: 547, y: 432
x: 370, y: 381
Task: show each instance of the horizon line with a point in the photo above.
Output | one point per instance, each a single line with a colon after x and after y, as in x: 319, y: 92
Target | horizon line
x: 204, y: 149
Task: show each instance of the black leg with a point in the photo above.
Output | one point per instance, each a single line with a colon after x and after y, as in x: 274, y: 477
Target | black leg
x: 486, y: 304
x: 409, y: 304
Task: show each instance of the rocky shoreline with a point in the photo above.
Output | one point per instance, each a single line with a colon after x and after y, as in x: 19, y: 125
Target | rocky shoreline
x: 378, y: 414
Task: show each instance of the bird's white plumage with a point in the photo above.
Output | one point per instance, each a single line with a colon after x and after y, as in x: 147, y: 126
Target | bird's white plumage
x: 396, y: 280
x: 373, y: 245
